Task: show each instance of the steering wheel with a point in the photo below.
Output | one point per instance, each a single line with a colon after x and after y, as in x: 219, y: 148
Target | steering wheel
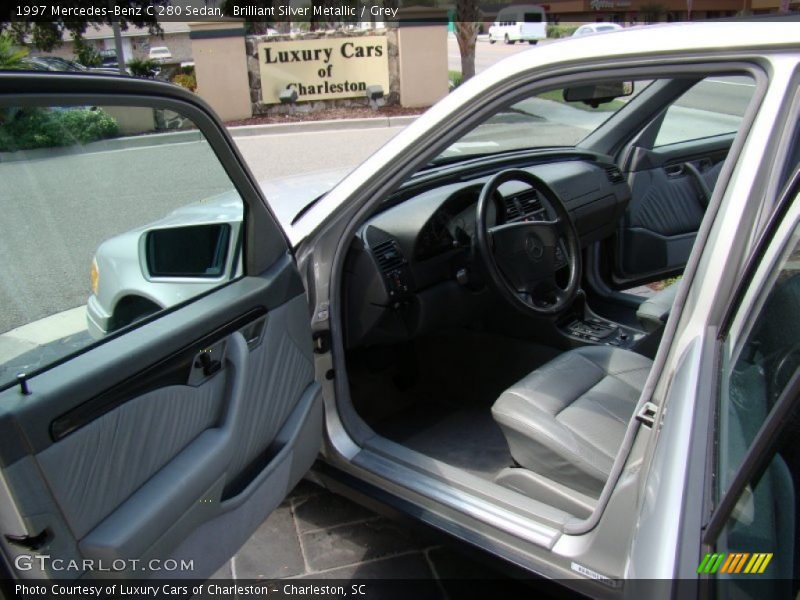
x: 522, y: 257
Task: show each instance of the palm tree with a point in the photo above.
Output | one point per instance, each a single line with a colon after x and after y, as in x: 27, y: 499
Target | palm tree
x: 468, y: 16
x: 10, y: 56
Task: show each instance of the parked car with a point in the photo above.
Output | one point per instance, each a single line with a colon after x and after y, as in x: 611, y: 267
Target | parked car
x: 29, y: 64
x: 160, y: 54
x: 57, y: 63
x: 450, y: 330
x: 591, y: 28
x: 123, y: 292
x: 519, y: 23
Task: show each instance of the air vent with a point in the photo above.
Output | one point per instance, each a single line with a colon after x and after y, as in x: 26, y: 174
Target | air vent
x: 512, y: 210
x: 529, y: 202
x: 388, y: 255
x: 522, y: 205
x: 614, y: 174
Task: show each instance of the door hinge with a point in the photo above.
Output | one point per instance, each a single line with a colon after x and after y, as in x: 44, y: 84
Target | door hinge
x: 647, y: 414
x: 322, y: 341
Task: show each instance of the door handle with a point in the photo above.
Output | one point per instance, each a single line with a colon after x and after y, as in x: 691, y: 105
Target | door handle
x: 674, y: 170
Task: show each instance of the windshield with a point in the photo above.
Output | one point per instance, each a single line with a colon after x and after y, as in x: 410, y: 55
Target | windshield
x: 542, y: 121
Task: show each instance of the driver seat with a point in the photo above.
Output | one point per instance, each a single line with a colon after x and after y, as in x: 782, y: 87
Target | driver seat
x: 566, y: 420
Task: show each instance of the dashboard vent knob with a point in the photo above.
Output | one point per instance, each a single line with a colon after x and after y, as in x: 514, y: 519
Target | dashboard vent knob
x: 388, y: 255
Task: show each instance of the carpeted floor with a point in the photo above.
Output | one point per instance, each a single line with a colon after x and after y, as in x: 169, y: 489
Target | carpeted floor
x: 435, y: 395
x: 467, y: 437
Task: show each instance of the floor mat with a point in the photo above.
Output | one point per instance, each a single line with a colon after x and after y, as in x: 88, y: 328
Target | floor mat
x: 467, y: 437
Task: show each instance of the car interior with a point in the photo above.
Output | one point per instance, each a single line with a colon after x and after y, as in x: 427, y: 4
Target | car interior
x: 502, y: 308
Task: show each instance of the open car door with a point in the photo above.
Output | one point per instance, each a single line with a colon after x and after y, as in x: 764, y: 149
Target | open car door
x: 151, y: 428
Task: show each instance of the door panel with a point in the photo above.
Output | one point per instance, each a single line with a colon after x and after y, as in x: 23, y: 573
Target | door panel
x: 136, y: 480
x: 184, y: 408
x: 667, y: 205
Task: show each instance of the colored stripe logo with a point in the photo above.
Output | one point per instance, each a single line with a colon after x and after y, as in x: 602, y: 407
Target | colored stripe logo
x: 735, y: 562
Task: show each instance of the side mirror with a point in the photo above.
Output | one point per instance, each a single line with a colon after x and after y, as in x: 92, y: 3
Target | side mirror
x: 597, y: 94
x: 195, y: 251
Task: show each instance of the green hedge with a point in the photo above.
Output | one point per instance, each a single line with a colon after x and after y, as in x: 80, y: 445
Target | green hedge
x: 560, y: 31
x: 48, y: 128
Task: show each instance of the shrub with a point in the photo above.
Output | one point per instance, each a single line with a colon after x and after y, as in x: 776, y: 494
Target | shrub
x: 10, y: 55
x: 144, y: 67
x: 560, y: 31
x: 48, y: 128
x: 85, y: 53
x: 455, y: 79
x: 185, y: 80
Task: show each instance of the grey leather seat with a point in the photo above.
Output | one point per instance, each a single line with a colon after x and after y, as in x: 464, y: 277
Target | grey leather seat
x: 653, y: 312
x: 566, y: 420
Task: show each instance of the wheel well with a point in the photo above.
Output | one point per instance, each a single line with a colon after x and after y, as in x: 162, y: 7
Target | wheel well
x: 130, y: 309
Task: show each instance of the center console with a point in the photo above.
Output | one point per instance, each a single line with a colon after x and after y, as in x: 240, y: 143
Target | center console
x: 584, y: 326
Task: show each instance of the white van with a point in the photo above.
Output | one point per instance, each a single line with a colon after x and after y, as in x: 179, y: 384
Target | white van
x: 522, y: 22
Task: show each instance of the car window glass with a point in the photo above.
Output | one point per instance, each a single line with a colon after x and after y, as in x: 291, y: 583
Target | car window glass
x: 760, y: 367
x: 757, y: 551
x: 541, y: 121
x: 760, y: 533
x: 714, y: 106
x: 111, y: 214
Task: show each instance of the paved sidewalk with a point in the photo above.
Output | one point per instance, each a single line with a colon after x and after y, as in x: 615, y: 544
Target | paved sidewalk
x: 316, y: 534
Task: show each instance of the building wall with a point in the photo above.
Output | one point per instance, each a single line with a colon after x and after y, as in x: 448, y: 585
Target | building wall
x: 423, y: 64
x: 221, y: 67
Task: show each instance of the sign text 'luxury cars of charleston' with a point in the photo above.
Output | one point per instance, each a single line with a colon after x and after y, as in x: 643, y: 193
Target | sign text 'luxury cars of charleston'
x: 323, y: 69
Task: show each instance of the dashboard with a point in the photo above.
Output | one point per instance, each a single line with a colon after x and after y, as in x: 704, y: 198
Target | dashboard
x: 412, y: 268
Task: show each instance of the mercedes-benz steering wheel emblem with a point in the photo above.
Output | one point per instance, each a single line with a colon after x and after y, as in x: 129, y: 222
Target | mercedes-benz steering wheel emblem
x: 533, y: 247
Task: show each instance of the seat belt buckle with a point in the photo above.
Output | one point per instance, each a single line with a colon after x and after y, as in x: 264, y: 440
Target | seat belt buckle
x: 647, y: 414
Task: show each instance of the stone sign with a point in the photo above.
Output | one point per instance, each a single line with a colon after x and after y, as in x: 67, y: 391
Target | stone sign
x: 323, y: 69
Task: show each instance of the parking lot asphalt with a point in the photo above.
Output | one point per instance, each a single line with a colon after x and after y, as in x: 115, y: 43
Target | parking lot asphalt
x: 74, y: 214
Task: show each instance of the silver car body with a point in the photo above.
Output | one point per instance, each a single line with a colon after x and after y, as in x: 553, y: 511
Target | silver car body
x: 647, y: 521
x: 636, y: 529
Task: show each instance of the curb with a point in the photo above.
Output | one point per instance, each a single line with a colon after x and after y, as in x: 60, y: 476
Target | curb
x: 157, y: 139
x: 120, y: 143
x: 318, y: 126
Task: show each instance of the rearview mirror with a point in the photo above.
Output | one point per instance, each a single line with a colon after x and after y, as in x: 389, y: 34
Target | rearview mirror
x: 601, y: 93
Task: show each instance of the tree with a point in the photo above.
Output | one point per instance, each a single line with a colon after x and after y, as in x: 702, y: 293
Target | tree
x: 10, y: 55
x: 85, y: 53
x: 46, y: 35
x: 467, y: 22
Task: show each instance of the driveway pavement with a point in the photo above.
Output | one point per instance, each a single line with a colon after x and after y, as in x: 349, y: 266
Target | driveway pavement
x: 316, y: 534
